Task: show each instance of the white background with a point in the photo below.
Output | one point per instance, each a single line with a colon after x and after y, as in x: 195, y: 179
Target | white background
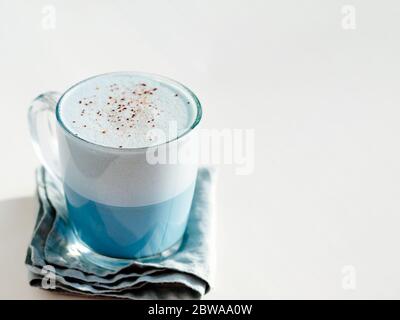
x: 324, y: 102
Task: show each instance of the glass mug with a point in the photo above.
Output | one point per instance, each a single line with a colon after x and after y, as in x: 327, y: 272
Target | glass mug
x: 118, y: 203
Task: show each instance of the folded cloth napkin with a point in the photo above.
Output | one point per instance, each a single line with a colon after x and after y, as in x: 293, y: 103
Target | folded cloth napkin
x: 76, y: 269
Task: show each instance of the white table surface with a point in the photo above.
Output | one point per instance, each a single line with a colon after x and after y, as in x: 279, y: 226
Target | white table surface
x: 323, y: 100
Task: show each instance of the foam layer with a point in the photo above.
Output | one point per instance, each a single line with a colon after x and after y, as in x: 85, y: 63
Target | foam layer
x: 127, y: 110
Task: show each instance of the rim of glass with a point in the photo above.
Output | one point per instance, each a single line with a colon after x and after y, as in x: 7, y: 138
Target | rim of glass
x: 153, y: 76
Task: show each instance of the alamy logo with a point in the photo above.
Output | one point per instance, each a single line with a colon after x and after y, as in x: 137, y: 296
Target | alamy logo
x: 235, y: 147
x: 49, y: 277
x: 48, y: 17
x: 349, y: 17
x: 349, y: 280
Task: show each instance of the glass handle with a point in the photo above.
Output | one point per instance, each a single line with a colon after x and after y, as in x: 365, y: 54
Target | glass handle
x: 42, y: 126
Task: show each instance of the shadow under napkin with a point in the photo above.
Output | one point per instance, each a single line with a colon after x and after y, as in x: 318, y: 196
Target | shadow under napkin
x: 184, y: 275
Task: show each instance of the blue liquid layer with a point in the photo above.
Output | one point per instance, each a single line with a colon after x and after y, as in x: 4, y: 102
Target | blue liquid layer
x: 129, y: 232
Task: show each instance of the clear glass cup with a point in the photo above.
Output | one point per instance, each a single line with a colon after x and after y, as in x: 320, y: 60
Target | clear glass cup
x: 119, y: 203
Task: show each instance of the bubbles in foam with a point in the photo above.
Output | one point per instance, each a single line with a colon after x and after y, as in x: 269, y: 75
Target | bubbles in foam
x: 127, y: 110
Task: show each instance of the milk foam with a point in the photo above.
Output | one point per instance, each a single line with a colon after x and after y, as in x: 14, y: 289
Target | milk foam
x: 127, y: 110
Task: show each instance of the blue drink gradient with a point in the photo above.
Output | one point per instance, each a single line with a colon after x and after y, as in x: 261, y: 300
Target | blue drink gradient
x: 129, y: 232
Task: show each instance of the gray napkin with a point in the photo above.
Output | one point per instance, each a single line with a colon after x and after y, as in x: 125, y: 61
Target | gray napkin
x: 76, y: 269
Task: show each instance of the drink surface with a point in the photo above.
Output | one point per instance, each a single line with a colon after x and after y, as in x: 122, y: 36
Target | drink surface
x: 127, y: 110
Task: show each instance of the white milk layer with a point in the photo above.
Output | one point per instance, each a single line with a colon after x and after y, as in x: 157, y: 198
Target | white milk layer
x: 121, y: 176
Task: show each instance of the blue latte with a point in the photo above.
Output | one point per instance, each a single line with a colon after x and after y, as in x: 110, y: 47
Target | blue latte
x: 119, y: 203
